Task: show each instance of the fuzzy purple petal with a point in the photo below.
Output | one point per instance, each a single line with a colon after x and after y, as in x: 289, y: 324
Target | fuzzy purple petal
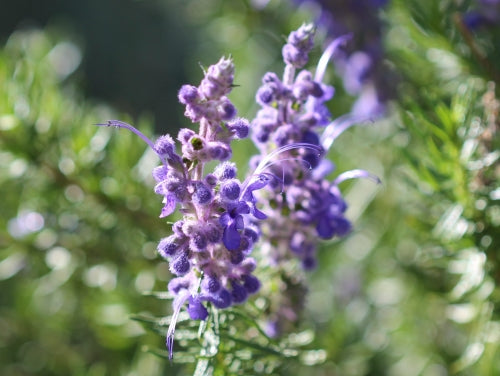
x: 258, y: 214
x: 224, y: 219
x: 196, y: 309
x: 251, y: 284
x: 231, y: 237
x: 169, y: 207
x: 256, y: 183
x: 325, y: 228
x: 221, y: 299
x: 238, y: 293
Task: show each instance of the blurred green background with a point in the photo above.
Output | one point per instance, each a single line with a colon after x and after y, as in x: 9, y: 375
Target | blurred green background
x: 412, y: 291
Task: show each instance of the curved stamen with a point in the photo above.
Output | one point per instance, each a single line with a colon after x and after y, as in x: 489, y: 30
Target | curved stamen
x: 338, y: 126
x: 267, y: 161
x: 177, y: 305
x: 121, y: 124
x: 327, y: 55
x: 355, y: 174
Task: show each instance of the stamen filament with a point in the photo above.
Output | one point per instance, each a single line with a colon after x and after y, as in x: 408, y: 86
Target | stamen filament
x: 337, y: 127
x: 355, y: 174
x: 121, y: 124
x: 327, y: 55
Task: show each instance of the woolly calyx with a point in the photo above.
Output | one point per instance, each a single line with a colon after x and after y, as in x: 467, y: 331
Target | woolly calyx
x: 230, y: 190
x: 198, y: 241
x: 218, y: 79
x: 169, y: 246
x: 213, y: 232
x: 251, y: 283
x: 196, y: 309
x: 300, y: 42
x: 226, y: 170
x: 188, y: 94
x: 240, y: 127
x: 221, y: 299
x: 180, y: 265
x: 238, y: 293
x: 202, y: 194
x: 227, y: 111
x: 210, y: 284
x: 165, y: 148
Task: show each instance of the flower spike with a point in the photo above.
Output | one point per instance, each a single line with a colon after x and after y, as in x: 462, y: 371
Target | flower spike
x: 209, y: 249
x: 215, y: 237
x: 295, y: 125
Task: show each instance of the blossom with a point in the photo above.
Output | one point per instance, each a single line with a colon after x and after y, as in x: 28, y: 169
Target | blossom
x: 301, y: 204
x: 295, y: 51
x: 209, y: 250
x: 295, y: 112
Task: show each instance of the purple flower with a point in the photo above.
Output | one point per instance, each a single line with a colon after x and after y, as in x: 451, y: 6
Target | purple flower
x: 256, y: 183
x: 202, y: 194
x: 179, y: 265
x: 196, y: 309
x: 232, y: 221
x: 300, y: 42
x: 212, y: 239
x: 251, y: 283
x: 209, y: 250
x: 221, y: 299
x: 173, y: 186
x: 188, y: 94
x: 218, y: 79
x: 295, y: 124
x: 238, y: 293
x: 240, y: 127
x: 230, y: 190
x: 227, y: 111
x: 226, y: 170
x: 170, y: 245
x: 210, y: 285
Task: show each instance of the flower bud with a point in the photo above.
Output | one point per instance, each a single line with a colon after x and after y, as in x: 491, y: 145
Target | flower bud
x: 226, y: 170
x: 169, y: 246
x: 251, y: 283
x: 230, y: 190
x: 240, y: 127
x: 221, y: 299
x: 210, y: 284
x: 197, y: 241
x: 188, y: 94
x: 202, y: 194
x: 196, y: 309
x: 238, y: 292
x: 180, y: 265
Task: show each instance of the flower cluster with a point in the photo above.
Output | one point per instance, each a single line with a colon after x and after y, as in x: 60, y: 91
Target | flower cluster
x: 306, y: 205
x: 210, y: 246
x: 361, y: 68
x: 209, y: 249
x: 302, y: 206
